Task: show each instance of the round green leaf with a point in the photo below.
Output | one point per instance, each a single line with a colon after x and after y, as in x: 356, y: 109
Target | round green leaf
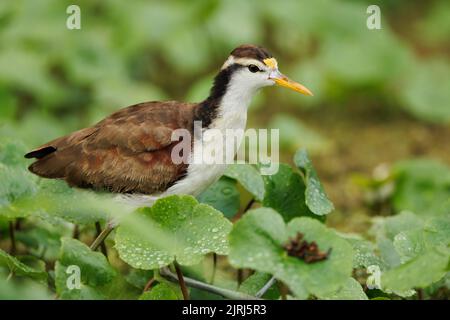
x: 257, y: 241
x: 175, y: 227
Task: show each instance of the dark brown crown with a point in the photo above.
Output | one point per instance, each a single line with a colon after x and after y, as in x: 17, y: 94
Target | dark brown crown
x: 251, y: 51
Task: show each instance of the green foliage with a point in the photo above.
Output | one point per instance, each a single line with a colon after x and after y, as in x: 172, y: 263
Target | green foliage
x: 316, y: 199
x: 285, y: 192
x: 223, y: 196
x: 94, y: 269
x: 255, y: 282
x: 182, y: 229
x: 162, y: 291
x: 422, y: 186
x: 249, y: 177
x: 257, y: 242
x: 53, y: 81
x: 351, y: 290
x: 416, y: 251
x: 419, y: 272
x: 18, y: 268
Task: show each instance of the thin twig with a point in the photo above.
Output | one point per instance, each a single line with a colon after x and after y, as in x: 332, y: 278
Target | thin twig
x: 149, y: 284
x: 213, y: 276
x: 249, y: 205
x: 226, y: 293
x: 12, y: 237
x: 98, y: 228
x: 184, y: 289
x: 266, y: 287
x: 102, y: 236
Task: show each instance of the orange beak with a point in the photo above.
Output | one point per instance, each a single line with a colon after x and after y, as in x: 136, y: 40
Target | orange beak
x: 281, y: 80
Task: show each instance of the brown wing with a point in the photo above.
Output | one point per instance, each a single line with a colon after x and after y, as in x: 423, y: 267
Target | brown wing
x: 127, y: 152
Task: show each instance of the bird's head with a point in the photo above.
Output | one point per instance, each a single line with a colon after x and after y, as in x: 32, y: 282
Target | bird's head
x: 254, y: 67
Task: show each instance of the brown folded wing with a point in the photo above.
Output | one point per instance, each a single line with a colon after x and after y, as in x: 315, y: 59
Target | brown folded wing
x: 128, y: 152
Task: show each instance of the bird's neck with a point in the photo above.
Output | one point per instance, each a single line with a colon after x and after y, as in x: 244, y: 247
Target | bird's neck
x: 226, y: 107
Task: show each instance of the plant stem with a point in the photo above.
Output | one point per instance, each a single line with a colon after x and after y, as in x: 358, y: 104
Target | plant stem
x: 18, y: 225
x: 249, y: 205
x: 266, y: 287
x: 10, y: 275
x: 226, y: 293
x: 98, y: 228
x: 76, y: 232
x: 180, y: 277
x: 102, y: 236
x: 240, y: 276
x: 213, y: 276
x: 149, y: 284
x: 283, y: 291
x: 12, y: 238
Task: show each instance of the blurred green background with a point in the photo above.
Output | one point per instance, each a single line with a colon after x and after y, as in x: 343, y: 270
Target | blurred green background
x: 381, y: 96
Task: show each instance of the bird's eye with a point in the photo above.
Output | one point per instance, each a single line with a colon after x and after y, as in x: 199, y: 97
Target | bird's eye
x: 253, y: 68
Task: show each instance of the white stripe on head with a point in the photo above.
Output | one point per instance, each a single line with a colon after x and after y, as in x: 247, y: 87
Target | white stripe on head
x: 243, y: 61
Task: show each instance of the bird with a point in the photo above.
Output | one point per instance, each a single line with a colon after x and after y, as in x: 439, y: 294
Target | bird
x: 129, y: 152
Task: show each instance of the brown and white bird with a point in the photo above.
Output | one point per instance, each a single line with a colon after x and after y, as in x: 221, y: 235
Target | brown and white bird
x: 129, y: 152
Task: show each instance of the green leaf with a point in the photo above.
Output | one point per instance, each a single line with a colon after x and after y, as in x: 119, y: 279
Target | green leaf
x: 15, y: 184
x: 12, y: 152
x: 437, y: 231
x: 56, y: 199
x: 316, y: 198
x: 223, y: 196
x: 175, y: 227
x: 422, y: 186
x: 351, y: 290
x: 15, y: 180
x: 95, y: 268
x: 139, y: 278
x: 18, y: 268
x: 389, y: 255
x: 424, y: 90
x: 364, y: 253
x: 249, y: 177
x: 24, y: 290
x: 418, y: 272
x: 257, y: 241
x: 162, y: 291
x: 85, y: 292
x: 255, y: 282
x: 285, y: 192
x: 391, y: 226
x: 95, y: 271
x: 411, y: 243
